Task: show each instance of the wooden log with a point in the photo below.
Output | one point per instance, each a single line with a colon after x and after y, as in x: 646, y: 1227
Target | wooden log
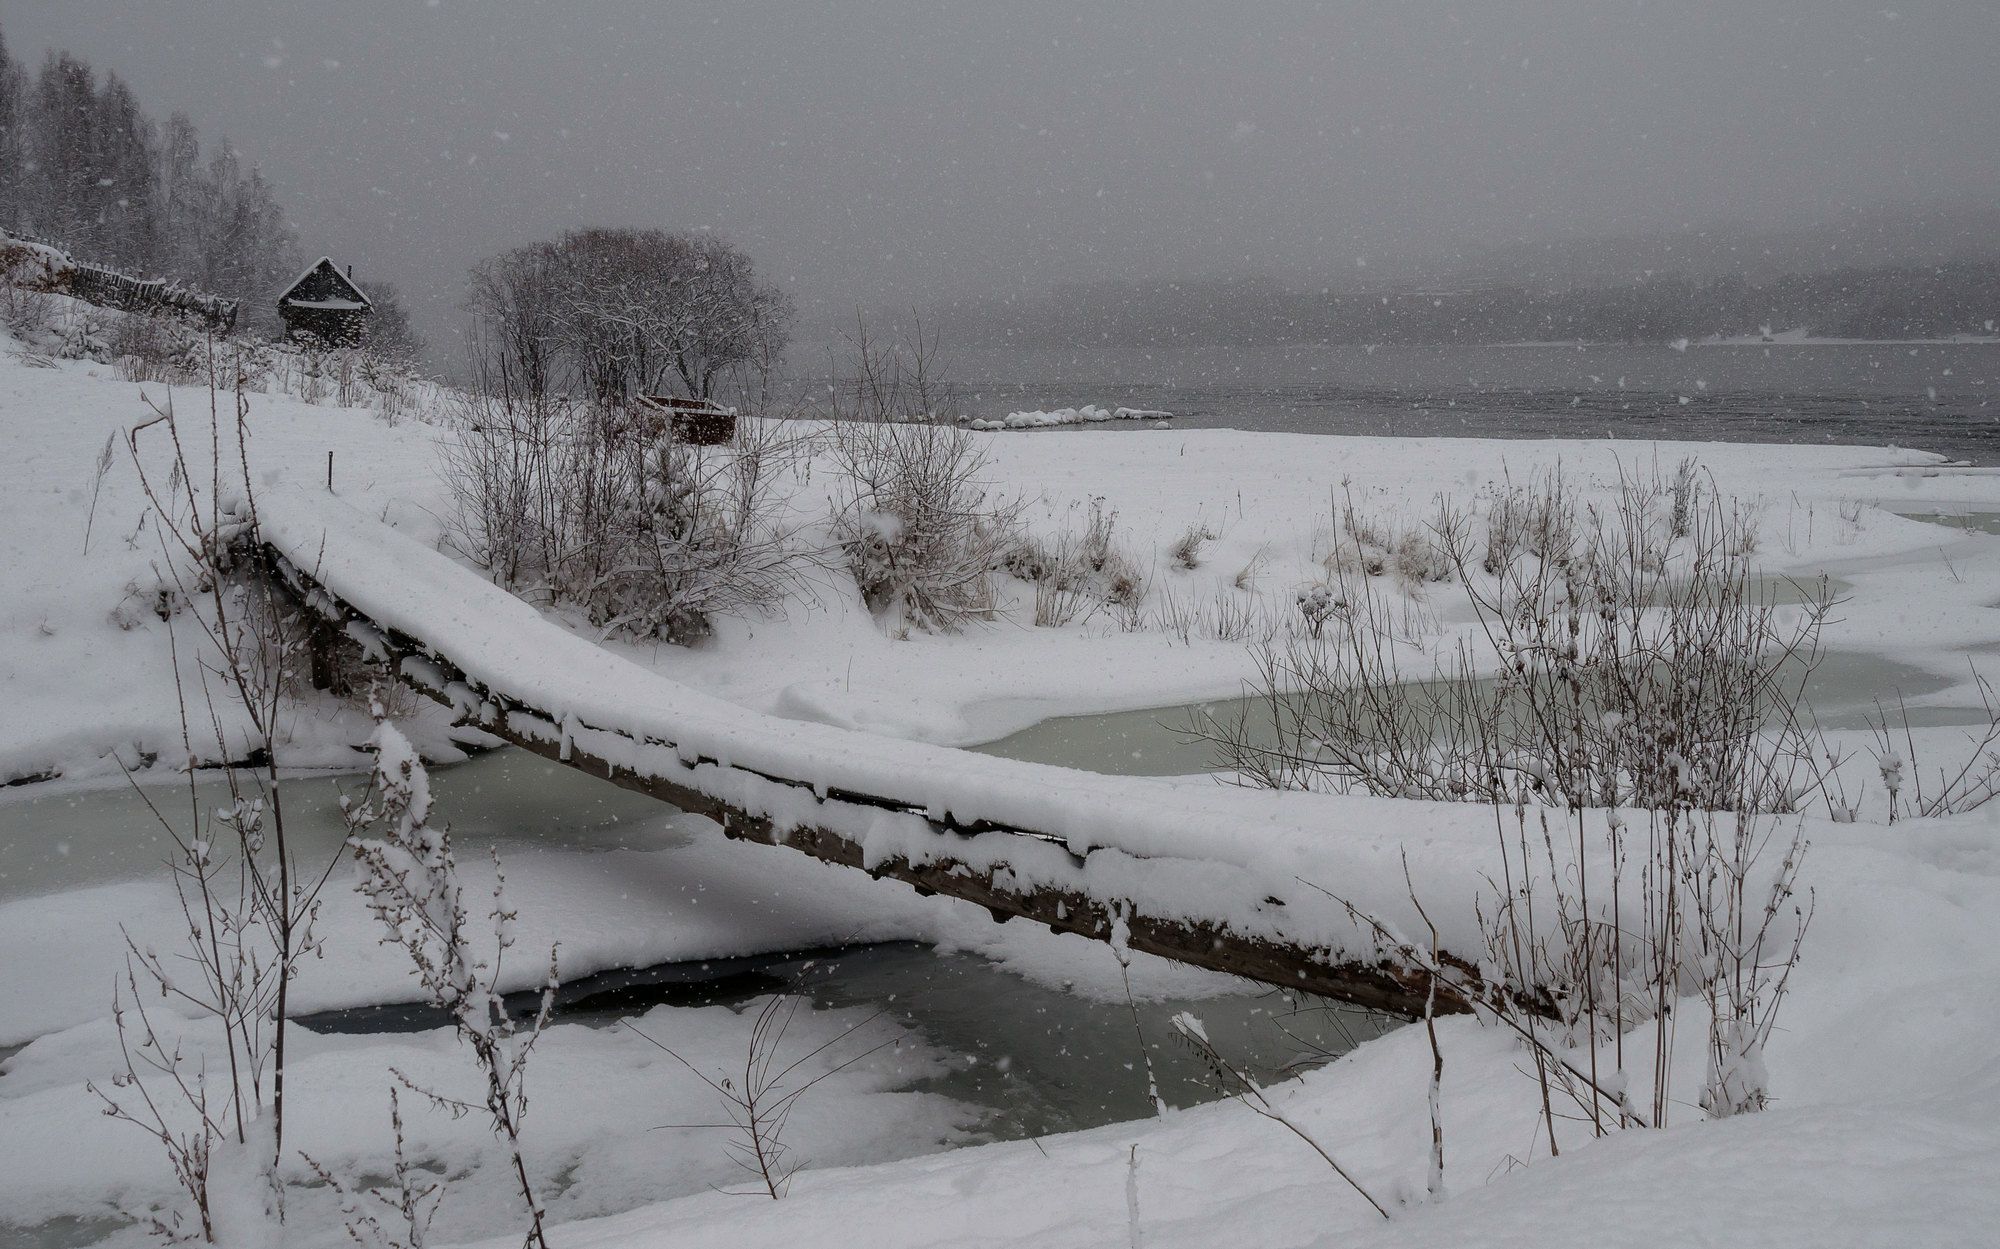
x: 1385, y: 984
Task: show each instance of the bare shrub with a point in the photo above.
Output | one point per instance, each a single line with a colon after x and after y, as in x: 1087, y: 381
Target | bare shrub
x: 1366, y: 545
x: 1222, y: 615
x: 398, y: 389
x: 513, y: 474
x: 161, y: 348
x: 1361, y: 529
x: 705, y: 542
x: 917, y: 526
x: 1694, y: 906
x: 1059, y: 601
x: 80, y: 332
x: 24, y: 311
x: 1421, y: 558
x: 1683, y: 490
x: 1362, y: 545
x: 1624, y: 673
x: 1538, y: 520
x: 343, y: 367
x: 919, y: 529
x: 1077, y: 574
x: 648, y: 535
x: 385, y: 1217
x: 1106, y: 560
x: 1634, y: 672
x: 1748, y: 929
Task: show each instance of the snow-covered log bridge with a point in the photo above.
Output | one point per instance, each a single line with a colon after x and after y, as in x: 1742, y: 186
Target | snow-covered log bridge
x: 1228, y: 879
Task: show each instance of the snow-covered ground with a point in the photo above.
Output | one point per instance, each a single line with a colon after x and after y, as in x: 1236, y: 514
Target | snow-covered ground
x: 1886, y: 1127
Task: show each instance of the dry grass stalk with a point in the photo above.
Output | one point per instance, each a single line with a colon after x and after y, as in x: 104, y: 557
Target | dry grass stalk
x: 760, y: 1100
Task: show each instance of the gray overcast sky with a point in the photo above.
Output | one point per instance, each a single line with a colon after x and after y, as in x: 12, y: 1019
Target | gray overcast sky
x: 877, y: 152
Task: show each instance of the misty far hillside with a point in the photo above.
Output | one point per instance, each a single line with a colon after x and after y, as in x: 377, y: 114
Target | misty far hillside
x: 1755, y: 254
x: 1878, y: 277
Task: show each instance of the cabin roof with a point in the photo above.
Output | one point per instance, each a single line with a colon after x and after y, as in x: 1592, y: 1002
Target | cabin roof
x: 327, y: 261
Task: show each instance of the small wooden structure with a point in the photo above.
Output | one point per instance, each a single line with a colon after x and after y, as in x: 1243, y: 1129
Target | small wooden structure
x: 702, y: 422
x: 325, y: 304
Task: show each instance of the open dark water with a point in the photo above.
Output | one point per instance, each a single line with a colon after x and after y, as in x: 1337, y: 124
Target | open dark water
x: 1942, y: 397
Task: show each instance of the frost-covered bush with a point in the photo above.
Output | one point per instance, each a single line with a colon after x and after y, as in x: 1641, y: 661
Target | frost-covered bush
x: 700, y: 539
x: 1539, y: 520
x: 1420, y: 558
x: 1634, y: 667
x: 410, y: 882
x: 24, y: 312
x: 1076, y: 574
x: 918, y: 528
x: 1320, y: 603
x: 1631, y: 705
x: 592, y: 507
x: 158, y: 348
x: 1186, y: 549
x: 80, y: 332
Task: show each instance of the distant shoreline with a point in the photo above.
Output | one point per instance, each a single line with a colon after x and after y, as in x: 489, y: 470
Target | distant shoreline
x: 1570, y: 344
x: 1788, y: 338
x: 1795, y: 338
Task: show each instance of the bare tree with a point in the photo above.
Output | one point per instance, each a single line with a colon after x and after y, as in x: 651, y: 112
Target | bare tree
x: 82, y: 164
x: 610, y: 313
x: 513, y: 303
x: 13, y: 136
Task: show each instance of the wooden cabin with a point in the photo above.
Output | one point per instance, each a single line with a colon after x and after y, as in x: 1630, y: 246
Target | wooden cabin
x: 701, y: 422
x: 324, y: 303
